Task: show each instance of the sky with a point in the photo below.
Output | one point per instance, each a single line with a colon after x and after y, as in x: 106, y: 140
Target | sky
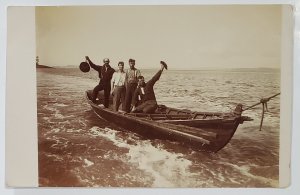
x: 186, y: 37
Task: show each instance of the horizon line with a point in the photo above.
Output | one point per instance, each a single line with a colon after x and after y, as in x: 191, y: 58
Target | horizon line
x: 200, y: 68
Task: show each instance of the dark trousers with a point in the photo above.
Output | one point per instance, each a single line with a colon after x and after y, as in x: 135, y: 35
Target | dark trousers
x: 130, y: 88
x: 148, y: 106
x: 106, y: 88
x: 119, y: 97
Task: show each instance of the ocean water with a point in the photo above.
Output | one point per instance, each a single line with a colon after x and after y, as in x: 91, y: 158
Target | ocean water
x: 76, y: 148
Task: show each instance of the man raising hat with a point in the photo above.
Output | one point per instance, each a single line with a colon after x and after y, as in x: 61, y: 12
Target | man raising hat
x: 144, y: 93
x: 105, y: 74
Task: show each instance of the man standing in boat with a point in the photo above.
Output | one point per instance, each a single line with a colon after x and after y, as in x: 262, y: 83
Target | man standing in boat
x: 105, y: 74
x: 144, y: 93
x: 118, y: 87
x: 131, y: 83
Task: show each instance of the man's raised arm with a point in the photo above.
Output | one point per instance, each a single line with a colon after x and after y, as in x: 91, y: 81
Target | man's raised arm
x: 94, y: 66
x: 158, y: 74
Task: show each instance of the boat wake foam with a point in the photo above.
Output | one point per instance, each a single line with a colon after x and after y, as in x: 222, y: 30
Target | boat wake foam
x: 167, y: 169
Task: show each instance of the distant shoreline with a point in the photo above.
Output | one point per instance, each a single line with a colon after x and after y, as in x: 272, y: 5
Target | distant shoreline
x: 43, y: 66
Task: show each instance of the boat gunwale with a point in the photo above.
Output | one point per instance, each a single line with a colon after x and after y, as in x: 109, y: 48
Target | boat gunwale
x: 230, y: 119
x: 223, y: 116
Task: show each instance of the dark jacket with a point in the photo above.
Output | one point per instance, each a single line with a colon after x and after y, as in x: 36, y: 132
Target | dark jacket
x: 105, y: 72
x: 138, y: 96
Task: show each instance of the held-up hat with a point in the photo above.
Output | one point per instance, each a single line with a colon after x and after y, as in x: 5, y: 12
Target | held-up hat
x: 84, y: 67
x: 164, y: 64
x: 131, y: 60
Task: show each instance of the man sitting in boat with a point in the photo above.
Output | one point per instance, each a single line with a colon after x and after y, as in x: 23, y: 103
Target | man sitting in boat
x: 144, y: 93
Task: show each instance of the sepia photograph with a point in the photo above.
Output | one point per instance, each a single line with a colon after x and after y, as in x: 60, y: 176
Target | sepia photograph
x: 173, y: 96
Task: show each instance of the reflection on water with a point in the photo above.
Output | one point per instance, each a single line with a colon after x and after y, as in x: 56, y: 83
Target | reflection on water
x: 78, y: 149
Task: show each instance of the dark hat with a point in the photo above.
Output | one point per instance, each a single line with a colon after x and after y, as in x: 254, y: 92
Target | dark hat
x: 131, y: 60
x: 164, y: 64
x: 121, y: 62
x: 84, y: 67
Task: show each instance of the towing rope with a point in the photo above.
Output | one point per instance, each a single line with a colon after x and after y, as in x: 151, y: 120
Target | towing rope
x: 264, y: 102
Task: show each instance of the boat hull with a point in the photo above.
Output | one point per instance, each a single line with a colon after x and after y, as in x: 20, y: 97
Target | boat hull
x: 207, y: 134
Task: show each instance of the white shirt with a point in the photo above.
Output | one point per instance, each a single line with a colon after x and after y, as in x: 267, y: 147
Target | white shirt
x: 118, y: 79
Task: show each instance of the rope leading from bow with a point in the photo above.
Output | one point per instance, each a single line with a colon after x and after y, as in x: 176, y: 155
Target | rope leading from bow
x: 264, y: 102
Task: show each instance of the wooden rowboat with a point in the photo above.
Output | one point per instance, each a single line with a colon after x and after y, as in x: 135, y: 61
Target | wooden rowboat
x: 207, y: 131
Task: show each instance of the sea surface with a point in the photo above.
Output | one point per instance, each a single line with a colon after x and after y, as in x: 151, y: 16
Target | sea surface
x: 76, y: 148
